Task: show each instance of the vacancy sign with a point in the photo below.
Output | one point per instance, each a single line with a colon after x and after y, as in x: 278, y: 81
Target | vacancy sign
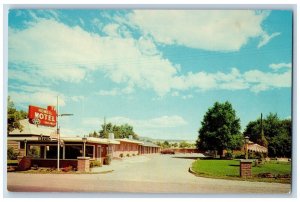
x: 41, y: 116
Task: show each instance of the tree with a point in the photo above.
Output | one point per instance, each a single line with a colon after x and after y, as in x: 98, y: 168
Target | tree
x: 220, y: 129
x: 14, y: 116
x: 106, y: 129
x: 94, y: 134
x: 184, y: 144
x: 175, y: 145
x: 278, y: 134
x: 122, y: 131
x: 166, y: 144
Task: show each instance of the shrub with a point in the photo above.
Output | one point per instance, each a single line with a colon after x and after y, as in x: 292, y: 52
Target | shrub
x: 239, y: 154
x: 121, y: 155
x: 128, y: 155
x: 95, y: 164
x: 228, y: 155
x: 133, y: 154
x: 11, y: 154
x: 107, y: 160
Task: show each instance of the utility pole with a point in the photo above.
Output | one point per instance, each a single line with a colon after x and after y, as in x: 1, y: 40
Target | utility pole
x: 58, y: 132
x: 261, y: 125
x: 104, y: 126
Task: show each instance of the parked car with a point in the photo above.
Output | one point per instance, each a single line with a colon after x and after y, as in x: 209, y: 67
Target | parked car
x: 167, y: 151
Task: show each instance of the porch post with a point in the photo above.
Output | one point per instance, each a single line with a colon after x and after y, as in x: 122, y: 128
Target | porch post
x: 84, y: 139
x: 84, y: 149
x: 64, y: 152
x: 45, y: 151
x: 25, y: 146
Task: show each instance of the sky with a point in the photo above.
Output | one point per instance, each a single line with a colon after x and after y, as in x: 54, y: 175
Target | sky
x: 157, y: 70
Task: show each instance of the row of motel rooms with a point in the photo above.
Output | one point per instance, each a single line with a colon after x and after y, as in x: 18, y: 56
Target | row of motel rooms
x: 39, y: 139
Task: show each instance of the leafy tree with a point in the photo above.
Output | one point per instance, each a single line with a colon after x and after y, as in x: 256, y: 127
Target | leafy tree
x: 175, y: 144
x: 122, y: 131
x: 220, y: 129
x: 94, y: 134
x: 14, y: 116
x: 184, y: 144
x: 158, y: 144
x: 278, y: 134
x: 166, y: 144
x: 106, y: 129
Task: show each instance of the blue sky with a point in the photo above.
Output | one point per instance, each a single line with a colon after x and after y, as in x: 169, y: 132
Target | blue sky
x: 158, y: 70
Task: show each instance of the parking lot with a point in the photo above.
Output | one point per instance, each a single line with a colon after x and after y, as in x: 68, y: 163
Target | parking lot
x: 141, y: 174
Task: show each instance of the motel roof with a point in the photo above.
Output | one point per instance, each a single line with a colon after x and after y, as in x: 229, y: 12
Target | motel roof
x: 33, y: 130
x: 149, y: 144
x: 130, y: 141
x: 90, y: 140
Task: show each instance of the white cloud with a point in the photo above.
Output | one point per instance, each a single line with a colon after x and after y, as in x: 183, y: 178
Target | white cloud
x: 280, y: 66
x: 77, y: 98
x: 49, y: 51
x: 215, y: 30
x: 111, y: 30
x: 157, y: 122
x: 175, y: 94
x: 158, y: 127
x: 116, y: 91
x: 53, y: 51
x: 260, y: 81
x: 185, y: 97
x: 265, y: 38
x: 112, y: 92
x: 43, y: 97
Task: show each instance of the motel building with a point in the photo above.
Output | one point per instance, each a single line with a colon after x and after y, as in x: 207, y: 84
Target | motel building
x: 40, y: 143
x: 133, y: 147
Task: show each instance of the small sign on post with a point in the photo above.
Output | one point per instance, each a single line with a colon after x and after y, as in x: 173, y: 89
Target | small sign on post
x: 245, y: 168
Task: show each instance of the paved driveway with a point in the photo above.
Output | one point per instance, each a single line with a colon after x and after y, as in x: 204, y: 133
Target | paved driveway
x: 141, y: 174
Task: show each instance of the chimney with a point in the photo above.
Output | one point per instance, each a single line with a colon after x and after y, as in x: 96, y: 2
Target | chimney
x: 130, y: 137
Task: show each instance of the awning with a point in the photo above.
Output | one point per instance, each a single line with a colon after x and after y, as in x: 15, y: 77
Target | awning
x: 257, y: 148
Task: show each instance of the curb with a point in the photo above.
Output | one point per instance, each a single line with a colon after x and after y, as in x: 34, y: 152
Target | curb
x: 193, y: 172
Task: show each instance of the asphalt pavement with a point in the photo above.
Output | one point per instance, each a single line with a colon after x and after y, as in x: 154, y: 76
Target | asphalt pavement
x: 141, y: 174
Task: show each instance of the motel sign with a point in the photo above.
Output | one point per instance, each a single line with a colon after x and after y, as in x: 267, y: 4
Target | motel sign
x: 41, y: 116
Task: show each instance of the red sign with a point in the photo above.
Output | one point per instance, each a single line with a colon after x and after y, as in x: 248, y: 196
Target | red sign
x: 41, y: 116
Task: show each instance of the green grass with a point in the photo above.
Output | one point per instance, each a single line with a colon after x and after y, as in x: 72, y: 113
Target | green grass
x: 230, y: 169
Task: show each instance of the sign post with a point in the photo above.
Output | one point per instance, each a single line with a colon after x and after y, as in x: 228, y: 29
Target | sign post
x: 47, y: 117
x: 57, y: 131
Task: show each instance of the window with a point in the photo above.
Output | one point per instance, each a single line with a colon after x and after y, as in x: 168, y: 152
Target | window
x: 73, y: 151
x: 42, y: 151
x: 34, y: 151
x: 22, y: 145
x: 51, y: 152
x: 89, y: 151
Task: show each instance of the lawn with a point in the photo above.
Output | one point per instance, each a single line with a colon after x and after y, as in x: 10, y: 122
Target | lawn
x: 230, y: 169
